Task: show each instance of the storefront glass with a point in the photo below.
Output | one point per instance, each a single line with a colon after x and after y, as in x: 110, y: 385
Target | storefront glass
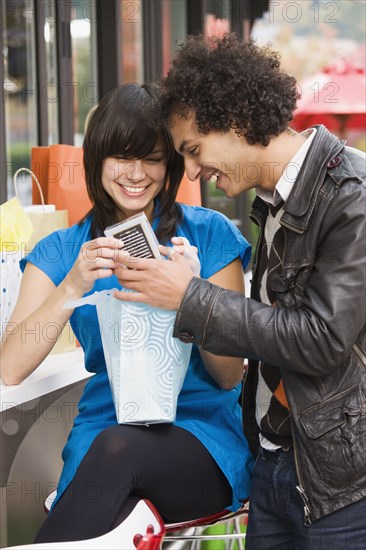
x: 19, y: 88
x: 84, y: 63
x: 130, y: 22
x: 174, y: 29
x: 216, y: 22
x: 52, y: 87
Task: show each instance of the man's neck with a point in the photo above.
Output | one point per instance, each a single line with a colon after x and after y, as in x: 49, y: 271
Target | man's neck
x: 277, y: 155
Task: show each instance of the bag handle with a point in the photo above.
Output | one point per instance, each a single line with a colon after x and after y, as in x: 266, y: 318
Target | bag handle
x: 35, y: 179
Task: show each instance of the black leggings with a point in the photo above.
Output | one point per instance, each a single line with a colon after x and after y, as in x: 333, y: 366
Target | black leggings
x: 162, y: 463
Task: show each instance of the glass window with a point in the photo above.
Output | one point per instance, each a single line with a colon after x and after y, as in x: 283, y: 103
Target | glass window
x: 19, y: 90
x: 217, y: 16
x: 174, y: 29
x: 216, y: 22
x: 130, y: 21
x: 52, y: 89
x: 84, y: 63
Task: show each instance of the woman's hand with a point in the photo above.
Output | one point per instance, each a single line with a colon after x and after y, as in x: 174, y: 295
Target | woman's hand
x: 189, y: 253
x: 96, y: 260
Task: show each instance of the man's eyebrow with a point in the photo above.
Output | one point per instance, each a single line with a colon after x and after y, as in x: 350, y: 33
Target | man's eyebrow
x: 182, y: 145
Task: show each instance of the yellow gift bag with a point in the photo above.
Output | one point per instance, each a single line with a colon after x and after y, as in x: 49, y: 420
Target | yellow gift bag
x: 44, y: 217
x: 15, y: 230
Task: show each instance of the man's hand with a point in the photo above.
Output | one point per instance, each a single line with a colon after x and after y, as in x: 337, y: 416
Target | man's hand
x: 159, y: 283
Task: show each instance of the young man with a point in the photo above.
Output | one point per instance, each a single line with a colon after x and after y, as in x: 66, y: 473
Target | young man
x: 229, y: 107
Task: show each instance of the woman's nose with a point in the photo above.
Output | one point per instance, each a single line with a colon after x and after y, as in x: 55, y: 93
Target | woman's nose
x: 135, y: 171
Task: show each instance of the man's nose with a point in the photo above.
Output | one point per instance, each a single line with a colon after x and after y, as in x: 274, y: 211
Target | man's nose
x: 193, y: 169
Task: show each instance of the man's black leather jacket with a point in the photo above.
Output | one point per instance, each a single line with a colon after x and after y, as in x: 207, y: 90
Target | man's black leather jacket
x: 316, y: 335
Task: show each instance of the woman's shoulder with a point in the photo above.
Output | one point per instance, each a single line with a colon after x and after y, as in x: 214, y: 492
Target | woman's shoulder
x: 79, y: 230
x: 217, y: 238
x: 207, y: 221
x: 199, y: 214
x: 75, y: 235
x: 190, y: 210
x: 58, y: 250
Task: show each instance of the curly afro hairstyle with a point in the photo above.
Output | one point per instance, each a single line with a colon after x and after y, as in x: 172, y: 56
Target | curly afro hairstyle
x: 230, y: 84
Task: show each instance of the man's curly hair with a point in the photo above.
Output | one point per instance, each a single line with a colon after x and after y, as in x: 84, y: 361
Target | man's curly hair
x: 230, y: 84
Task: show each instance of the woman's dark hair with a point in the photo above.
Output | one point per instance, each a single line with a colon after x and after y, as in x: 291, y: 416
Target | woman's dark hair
x: 230, y: 84
x: 123, y: 125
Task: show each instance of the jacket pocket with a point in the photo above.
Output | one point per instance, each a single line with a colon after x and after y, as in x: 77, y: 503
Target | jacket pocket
x: 336, y: 431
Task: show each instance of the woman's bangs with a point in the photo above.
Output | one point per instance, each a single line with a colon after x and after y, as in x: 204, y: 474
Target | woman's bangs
x: 131, y: 136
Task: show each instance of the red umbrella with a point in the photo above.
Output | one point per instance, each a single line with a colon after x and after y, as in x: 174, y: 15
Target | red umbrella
x: 334, y: 97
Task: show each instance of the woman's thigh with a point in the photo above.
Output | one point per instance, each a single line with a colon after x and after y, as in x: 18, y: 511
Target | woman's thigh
x: 169, y: 466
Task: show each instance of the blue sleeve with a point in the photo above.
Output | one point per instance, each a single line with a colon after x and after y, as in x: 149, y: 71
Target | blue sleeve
x: 53, y: 255
x: 218, y: 240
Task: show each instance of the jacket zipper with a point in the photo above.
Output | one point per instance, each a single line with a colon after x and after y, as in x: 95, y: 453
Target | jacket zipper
x: 301, y: 490
x: 357, y: 351
x: 300, y: 487
x: 307, y: 520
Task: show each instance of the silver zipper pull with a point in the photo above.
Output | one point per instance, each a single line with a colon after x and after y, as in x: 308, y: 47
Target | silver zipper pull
x: 307, y: 520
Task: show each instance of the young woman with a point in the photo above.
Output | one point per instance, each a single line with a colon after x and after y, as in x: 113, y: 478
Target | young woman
x: 199, y: 464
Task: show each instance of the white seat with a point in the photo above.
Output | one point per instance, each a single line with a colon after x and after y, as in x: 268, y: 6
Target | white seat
x: 143, y: 529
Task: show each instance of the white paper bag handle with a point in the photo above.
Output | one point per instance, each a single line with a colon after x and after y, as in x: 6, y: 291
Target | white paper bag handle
x: 35, y: 179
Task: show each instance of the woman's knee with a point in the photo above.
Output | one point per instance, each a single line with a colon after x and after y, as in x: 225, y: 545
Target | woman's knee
x: 111, y: 442
x: 117, y: 441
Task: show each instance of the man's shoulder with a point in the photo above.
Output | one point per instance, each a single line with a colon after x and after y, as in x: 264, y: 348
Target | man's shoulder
x: 349, y: 166
x: 357, y: 160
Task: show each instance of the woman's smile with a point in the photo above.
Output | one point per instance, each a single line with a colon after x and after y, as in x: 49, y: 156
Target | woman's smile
x: 133, y: 191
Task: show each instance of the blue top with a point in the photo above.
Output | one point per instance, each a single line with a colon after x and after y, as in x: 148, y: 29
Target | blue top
x: 212, y: 414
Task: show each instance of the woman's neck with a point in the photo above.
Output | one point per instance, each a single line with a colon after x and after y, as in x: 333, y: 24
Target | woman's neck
x: 148, y: 211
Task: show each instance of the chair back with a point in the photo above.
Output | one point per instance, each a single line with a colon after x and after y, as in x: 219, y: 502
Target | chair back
x: 189, y: 192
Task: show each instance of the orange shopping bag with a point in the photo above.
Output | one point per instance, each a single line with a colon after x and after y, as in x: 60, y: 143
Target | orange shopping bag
x: 60, y: 171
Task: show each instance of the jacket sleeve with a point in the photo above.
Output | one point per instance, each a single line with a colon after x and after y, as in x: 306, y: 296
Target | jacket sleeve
x: 313, y: 339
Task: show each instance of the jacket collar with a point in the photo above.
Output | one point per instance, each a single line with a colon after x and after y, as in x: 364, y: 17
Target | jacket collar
x: 301, y: 201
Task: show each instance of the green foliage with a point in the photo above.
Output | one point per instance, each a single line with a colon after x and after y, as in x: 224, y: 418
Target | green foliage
x: 19, y: 154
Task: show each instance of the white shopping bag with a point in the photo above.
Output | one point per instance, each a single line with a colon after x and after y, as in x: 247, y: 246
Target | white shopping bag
x: 11, y: 277
x: 146, y: 366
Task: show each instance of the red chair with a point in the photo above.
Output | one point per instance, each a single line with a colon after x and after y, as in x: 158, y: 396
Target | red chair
x: 190, y: 531
x: 194, y: 530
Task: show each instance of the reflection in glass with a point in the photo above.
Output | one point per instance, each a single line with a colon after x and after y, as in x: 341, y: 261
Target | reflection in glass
x: 131, y: 45
x: 174, y: 29
x: 216, y: 24
x: 84, y: 63
x: 51, y: 92
x: 19, y: 90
